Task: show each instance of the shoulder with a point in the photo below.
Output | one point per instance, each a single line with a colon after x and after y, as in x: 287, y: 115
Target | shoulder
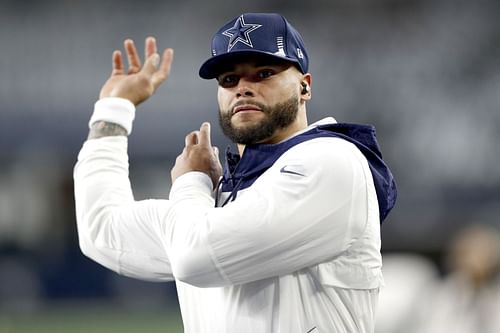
x: 326, y: 152
x: 326, y: 162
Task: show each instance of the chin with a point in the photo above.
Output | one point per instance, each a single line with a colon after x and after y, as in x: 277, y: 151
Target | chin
x: 243, y: 124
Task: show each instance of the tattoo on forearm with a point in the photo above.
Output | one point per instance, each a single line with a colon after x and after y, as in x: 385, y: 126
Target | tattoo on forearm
x: 103, y: 128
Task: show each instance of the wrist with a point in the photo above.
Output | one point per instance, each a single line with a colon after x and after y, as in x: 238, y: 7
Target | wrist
x: 115, y: 110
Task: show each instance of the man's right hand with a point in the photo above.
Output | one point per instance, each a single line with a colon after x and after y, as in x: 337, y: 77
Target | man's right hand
x: 140, y: 81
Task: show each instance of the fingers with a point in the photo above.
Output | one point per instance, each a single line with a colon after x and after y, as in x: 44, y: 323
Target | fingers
x: 149, y: 47
x: 191, y: 139
x: 150, y: 65
x: 201, y: 137
x: 134, y: 62
x: 164, y: 70
x: 204, y: 137
x: 157, y: 74
x: 117, y: 63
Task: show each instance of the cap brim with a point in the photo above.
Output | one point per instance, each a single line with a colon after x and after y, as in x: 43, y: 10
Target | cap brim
x: 214, y: 66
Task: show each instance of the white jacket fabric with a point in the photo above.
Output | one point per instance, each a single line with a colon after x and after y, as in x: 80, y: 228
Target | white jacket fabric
x: 296, y: 252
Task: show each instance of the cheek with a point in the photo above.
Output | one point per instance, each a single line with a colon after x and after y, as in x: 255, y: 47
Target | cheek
x: 283, y: 91
x: 223, y: 98
x: 223, y: 101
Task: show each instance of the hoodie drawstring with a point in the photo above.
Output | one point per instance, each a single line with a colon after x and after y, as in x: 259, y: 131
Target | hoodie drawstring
x: 232, y: 195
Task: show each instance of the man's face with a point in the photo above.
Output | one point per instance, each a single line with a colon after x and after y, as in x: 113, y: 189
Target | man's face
x: 258, y: 100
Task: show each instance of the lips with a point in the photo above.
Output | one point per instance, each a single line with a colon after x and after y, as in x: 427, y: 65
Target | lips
x: 246, y: 108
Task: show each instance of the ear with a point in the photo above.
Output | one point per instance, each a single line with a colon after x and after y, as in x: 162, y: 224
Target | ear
x: 306, y: 82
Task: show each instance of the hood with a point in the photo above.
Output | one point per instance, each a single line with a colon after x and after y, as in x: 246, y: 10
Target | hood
x: 240, y: 173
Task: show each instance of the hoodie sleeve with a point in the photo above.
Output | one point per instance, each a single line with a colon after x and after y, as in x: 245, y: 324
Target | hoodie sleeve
x: 309, y: 207
x: 114, y: 230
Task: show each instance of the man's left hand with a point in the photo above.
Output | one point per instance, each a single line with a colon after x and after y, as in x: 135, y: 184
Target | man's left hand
x: 198, y: 155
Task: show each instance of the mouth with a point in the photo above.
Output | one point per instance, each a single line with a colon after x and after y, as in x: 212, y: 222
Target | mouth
x: 246, y: 108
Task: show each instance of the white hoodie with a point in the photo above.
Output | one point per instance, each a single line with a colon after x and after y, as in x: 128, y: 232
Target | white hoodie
x: 296, y: 252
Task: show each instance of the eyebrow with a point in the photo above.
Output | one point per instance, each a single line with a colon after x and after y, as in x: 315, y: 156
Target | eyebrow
x: 271, y: 62
x: 258, y: 63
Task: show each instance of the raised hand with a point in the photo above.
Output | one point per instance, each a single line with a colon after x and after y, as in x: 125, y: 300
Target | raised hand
x: 198, y: 155
x: 140, y: 81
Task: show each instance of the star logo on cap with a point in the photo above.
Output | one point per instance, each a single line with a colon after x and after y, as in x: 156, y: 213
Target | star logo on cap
x: 240, y: 32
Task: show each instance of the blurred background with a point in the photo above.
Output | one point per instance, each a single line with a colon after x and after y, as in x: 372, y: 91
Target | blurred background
x: 426, y: 73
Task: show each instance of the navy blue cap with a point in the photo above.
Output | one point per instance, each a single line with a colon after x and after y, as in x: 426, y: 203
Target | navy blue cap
x: 255, y: 33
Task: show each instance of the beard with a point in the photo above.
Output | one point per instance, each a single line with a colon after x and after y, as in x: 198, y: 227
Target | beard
x: 277, y: 116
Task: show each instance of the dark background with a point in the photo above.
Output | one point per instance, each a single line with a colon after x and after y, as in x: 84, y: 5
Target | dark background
x: 425, y: 73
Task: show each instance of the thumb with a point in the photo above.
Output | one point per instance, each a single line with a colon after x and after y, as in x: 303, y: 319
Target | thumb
x: 151, y: 64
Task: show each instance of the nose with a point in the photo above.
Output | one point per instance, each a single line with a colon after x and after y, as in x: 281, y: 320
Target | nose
x: 244, y: 89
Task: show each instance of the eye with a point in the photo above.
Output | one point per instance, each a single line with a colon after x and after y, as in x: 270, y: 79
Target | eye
x: 228, y: 80
x: 265, y: 73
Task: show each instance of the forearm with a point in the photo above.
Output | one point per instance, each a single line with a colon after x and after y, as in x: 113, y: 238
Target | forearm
x: 187, y: 232
x: 112, y: 116
x: 101, y: 129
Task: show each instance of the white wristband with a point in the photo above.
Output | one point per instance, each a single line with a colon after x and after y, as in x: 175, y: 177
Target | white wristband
x: 115, y: 110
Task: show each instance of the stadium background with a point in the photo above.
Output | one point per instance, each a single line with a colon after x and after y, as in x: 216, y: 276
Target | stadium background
x: 425, y: 73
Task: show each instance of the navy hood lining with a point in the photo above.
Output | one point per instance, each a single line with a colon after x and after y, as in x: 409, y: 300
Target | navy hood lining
x: 258, y: 158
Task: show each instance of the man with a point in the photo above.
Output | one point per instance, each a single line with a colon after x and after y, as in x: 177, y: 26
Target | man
x: 287, y: 239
